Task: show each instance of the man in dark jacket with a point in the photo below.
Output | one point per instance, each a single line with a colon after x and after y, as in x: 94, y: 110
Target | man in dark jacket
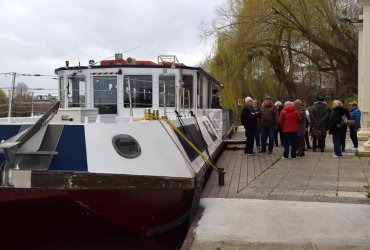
x: 336, y: 125
x: 320, y: 118
x: 269, y: 121
x: 216, y: 104
x: 249, y: 120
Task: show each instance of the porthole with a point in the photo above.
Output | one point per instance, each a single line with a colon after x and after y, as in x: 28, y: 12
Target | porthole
x: 126, y: 146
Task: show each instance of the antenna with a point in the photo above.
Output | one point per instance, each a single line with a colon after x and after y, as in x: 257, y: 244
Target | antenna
x: 114, y: 55
x: 131, y: 49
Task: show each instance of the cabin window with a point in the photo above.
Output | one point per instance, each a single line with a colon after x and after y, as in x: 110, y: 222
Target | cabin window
x: 186, y: 93
x: 200, y: 92
x: 126, y: 146
x: 141, y: 91
x: 191, y: 133
x: 61, y: 92
x: 105, y: 94
x: 167, y: 90
x: 76, y: 91
x: 210, y: 89
x: 210, y: 130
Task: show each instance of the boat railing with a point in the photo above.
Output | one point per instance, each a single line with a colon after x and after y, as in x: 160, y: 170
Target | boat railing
x: 130, y: 98
x: 221, y: 119
x: 207, y: 159
x: 42, y: 121
x: 185, y: 96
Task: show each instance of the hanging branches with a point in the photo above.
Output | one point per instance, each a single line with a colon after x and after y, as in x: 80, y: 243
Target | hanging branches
x: 295, y: 38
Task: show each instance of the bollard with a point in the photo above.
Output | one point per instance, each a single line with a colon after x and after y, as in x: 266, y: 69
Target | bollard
x: 221, y: 177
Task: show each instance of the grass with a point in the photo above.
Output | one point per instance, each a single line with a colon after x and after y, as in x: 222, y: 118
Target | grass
x: 346, y: 101
x: 351, y: 99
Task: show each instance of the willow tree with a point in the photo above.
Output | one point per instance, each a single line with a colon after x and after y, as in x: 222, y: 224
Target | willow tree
x: 262, y: 45
x: 3, y: 104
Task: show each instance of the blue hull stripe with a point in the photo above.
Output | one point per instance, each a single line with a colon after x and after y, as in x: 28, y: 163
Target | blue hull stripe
x: 6, y: 132
x: 71, y: 149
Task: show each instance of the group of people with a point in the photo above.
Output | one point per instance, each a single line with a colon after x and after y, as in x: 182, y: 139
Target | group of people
x: 296, y: 125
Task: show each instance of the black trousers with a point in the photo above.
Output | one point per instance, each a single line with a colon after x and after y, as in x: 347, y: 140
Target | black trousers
x: 249, y: 143
x: 337, y: 141
x: 319, y: 143
x: 290, y: 140
x: 280, y: 132
x: 353, y: 134
x: 301, y: 144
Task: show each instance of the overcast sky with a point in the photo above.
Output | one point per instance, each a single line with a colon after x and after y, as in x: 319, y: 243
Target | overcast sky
x: 37, y: 36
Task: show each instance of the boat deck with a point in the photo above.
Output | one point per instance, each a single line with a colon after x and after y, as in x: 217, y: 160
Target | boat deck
x: 240, y: 169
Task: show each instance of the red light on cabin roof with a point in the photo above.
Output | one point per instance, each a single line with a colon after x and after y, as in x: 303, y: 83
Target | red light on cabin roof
x: 124, y: 62
x: 137, y: 62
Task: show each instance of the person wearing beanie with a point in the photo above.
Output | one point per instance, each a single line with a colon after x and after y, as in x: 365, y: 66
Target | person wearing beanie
x: 269, y: 121
x: 320, y: 119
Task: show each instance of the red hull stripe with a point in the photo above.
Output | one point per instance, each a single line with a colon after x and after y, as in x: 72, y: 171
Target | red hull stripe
x: 140, y: 212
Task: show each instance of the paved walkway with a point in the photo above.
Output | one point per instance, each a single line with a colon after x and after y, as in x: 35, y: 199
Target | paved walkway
x: 315, y: 177
x: 312, y: 202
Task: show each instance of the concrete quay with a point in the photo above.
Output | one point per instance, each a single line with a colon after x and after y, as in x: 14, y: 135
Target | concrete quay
x: 312, y: 202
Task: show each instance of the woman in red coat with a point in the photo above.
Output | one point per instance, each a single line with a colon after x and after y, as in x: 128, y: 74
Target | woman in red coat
x: 289, y: 119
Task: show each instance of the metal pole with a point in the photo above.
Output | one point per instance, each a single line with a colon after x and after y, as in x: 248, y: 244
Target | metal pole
x: 129, y: 99
x: 176, y: 96
x: 32, y: 105
x: 9, y: 91
x: 11, y: 95
x: 183, y: 100
x: 188, y: 92
x: 164, y: 99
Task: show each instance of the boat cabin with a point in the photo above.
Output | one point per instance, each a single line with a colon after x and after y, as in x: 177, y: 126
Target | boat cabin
x: 125, y: 88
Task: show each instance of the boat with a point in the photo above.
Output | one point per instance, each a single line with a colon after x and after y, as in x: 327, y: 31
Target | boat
x: 125, y: 150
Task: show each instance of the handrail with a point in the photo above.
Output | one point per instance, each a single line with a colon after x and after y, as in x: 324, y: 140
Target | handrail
x: 39, y: 123
x: 208, y: 161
